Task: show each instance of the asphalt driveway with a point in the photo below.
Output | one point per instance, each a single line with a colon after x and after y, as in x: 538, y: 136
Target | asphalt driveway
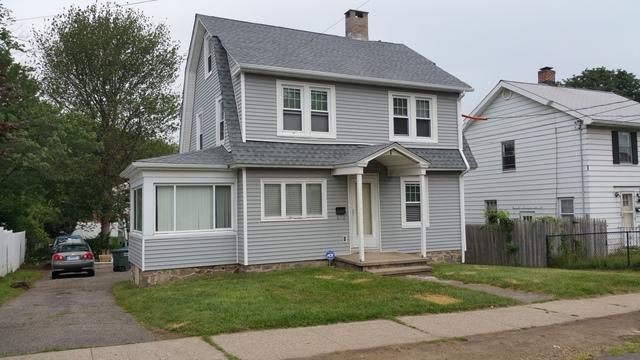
x: 69, y: 312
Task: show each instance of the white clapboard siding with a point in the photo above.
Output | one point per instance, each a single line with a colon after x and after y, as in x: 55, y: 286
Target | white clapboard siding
x: 547, y: 160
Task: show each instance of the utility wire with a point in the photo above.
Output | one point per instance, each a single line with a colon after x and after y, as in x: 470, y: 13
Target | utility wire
x: 342, y: 18
x: 574, y: 110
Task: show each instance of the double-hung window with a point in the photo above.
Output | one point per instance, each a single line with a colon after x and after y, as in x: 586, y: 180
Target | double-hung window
x: 193, y: 207
x: 207, y: 56
x: 412, y: 118
x: 137, y: 209
x: 411, y: 203
x: 199, y: 135
x: 566, y: 208
x: 508, y: 155
x: 291, y: 199
x: 625, y: 147
x: 306, y: 110
x: 220, y: 120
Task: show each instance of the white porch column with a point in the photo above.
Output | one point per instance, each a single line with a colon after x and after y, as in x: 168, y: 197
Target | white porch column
x: 423, y: 216
x: 360, y: 215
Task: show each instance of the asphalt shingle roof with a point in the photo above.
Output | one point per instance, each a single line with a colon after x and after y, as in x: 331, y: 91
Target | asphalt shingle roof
x: 260, y: 153
x: 272, y: 46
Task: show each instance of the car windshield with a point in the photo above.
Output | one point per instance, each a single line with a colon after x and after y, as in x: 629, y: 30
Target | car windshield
x: 73, y: 247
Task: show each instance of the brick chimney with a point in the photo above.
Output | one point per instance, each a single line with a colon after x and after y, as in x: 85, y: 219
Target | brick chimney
x: 356, y: 24
x: 547, y: 76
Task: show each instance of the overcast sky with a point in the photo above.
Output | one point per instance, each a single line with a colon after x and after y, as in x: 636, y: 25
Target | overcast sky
x: 479, y: 41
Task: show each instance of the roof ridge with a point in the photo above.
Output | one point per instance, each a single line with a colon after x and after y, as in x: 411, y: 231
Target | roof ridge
x: 567, y: 87
x: 301, y: 30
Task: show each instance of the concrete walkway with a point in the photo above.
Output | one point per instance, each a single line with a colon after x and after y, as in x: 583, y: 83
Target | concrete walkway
x: 521, y: 296
x: 317, y: 340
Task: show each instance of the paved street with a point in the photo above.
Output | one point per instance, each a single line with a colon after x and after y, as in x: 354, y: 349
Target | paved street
x: 70, y: 312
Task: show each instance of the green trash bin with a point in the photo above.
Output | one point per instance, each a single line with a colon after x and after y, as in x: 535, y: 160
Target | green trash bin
x: 120, y: 259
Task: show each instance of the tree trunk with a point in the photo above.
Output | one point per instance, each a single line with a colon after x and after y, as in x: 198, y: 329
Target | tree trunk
x: 105, y: 226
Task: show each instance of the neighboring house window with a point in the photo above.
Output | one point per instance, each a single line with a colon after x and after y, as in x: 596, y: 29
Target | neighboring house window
x: 491, y: 205
x: 306, y: 110
x: 208, y: 56
x: 410, y: 202
x: 412, y: 117
x: 137, y: 209
x: 509, y: 155
x: 566, y: 208
x: 199, y: 135
x: 292, y: 199
x: 628, y: 211
x: 193, y: 207
x: 624, y: 147
x: 220, y: 120
x: 527, y: 215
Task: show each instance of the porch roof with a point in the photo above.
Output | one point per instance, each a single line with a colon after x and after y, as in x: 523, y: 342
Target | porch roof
x: 273, y: 154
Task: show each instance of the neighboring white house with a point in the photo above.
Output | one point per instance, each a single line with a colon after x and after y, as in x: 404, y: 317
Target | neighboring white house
x: 551, y: 150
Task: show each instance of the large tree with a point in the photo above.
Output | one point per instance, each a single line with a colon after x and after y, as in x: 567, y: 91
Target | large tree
x: 118, y: 68
x: 618, y: 81
x: 43, y: 153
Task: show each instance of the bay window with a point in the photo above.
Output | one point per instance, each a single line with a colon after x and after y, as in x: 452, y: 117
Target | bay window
x: 137, y: 209
x: 412, y: 117
x: 305, y: 110
x: 193, y: 207
x: 291, y: 199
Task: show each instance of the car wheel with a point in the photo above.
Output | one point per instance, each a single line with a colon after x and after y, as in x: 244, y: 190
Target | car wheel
x: 54, y: 275
x: 91, y: 272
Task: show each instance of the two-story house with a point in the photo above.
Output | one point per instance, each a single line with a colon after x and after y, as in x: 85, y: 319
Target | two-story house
x: 550, y: 150
x: 293, y: 143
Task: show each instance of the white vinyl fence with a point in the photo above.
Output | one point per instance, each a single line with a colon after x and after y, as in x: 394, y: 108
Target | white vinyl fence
x: 13, y: 247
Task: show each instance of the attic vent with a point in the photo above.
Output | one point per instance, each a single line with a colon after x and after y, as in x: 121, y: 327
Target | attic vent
x: 506, y: 94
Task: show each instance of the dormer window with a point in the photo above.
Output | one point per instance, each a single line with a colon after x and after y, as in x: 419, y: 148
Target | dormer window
x: 220, y: 121
x: 207, y: 56
x: 306, y: 110
x: 412, y: 118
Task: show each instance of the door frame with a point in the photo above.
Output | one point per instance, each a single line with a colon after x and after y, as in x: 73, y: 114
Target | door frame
x: 375, y: 211
x: 632, y: 194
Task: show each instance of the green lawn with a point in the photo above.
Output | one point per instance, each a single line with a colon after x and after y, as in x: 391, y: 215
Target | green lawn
x: 300, y: 297
x: 557, y: 282
x: 23, y: 274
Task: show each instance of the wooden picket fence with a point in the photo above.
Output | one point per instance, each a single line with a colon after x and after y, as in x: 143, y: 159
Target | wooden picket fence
x: 527, y: 245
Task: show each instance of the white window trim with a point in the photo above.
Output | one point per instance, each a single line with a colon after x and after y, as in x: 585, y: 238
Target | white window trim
x: 524, y: 214
x: 135, y: 210
x: 205, y: 55
x: 199, y: 144
x: 403, y: 202
x: 573, y: 201
x: 305, y: 98
x: 283, y: 202
x: 213, y: 212
x: 219, y: 118
x: 433, y: 111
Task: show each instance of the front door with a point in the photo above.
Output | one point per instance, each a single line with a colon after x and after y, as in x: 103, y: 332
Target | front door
x: 628, y: 211
x: 370, y: 206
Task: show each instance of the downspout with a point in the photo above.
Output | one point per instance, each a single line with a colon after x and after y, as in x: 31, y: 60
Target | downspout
x: 463, y: 231
x: 580, y: 124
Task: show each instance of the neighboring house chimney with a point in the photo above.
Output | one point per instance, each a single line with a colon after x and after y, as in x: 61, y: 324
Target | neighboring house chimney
x: 356, y: 24
x: 547, y: 76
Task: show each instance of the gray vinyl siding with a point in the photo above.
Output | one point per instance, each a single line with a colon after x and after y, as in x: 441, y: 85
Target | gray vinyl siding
x: 284, y: 241
x: 547, y: 150
x: 362, y: 113
x: 135, y: 249
x: 444, y: 215
x: 606, y: 178
x: 180, y: 252
x: 206, y: 91
x: 237, y: 92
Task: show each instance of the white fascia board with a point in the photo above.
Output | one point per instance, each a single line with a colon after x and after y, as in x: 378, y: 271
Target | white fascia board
x: 402, y: 150
x: 279, y: 71
x: 142, y: 166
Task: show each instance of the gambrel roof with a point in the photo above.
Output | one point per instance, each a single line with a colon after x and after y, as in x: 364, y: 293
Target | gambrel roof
x: 272, y: 48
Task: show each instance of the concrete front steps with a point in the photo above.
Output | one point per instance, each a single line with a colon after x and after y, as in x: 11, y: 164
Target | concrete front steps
x: 386, y: 263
